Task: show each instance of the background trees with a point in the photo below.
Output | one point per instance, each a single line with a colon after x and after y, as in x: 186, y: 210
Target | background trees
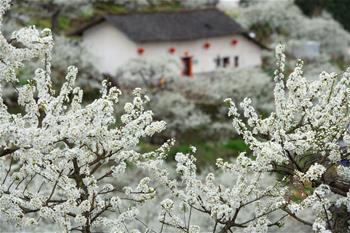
x: 337, y: 8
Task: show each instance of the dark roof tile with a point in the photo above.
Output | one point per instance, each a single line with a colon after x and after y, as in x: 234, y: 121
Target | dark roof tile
x: 173, y: 26
x: 170, y: 26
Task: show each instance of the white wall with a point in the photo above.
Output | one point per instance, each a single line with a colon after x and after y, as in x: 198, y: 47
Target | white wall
x: 203, y: 59
x: 109, y: 46
x: 112, y: 48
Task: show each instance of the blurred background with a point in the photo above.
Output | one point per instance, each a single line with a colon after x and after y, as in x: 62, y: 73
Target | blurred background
x: 187, y: 55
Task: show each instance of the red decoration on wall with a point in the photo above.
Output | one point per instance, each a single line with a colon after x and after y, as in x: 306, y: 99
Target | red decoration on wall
x: 206, y: 45
x: 234, y: 42
x: 172, y: 50
x: 140, y: 51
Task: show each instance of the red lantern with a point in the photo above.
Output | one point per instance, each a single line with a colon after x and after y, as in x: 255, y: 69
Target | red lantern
x: 140, y: 51
x: 234, y: 42
x: 172, y: 50
x: 206, y: 45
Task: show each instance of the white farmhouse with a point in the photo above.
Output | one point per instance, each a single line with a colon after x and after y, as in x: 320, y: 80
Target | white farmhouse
x: 202, y: 40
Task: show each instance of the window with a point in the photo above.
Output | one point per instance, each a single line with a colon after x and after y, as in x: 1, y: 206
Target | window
x: 236, y: 61
x: 222, y: 61
x: 225, y: 61
x: 217, y: 61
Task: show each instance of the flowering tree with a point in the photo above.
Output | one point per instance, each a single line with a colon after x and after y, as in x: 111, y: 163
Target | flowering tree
x: 148, y: 73
x: 193, y: 103
x: 159, y: 77
x: 306, y: 140
x: 229, y: 82
x: 50, y: 9
x: 59, y: 158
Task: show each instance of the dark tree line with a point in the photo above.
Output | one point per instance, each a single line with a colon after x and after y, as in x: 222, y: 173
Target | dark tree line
x: 339, y: 9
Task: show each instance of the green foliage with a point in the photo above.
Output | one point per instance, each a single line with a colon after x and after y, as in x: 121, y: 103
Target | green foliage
x: 237, y: 144
x: 112, y: 8
x: 64, y: 23
x: 40, y: 23
x: 209, y: 151
x: 101, y: 8
x: 166, y: 6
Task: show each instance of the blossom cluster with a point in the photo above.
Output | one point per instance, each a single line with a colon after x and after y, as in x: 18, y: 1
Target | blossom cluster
x: 59, y: 157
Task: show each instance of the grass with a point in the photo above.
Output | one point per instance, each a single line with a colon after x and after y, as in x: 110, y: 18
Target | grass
x: 41, y: 23
x: 64, y: 23
x: 236, y: 145
x: 207, y: 152
x: 103, y: 8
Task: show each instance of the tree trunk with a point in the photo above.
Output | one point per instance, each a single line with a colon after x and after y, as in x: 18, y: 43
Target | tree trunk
x: 54, y: 20
x: 86, y: 229
x: 340, y: 219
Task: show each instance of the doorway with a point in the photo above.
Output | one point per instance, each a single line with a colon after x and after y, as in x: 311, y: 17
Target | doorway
x: 187, y: 66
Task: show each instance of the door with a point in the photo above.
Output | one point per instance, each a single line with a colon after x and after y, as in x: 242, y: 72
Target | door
x: 187, y: 66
